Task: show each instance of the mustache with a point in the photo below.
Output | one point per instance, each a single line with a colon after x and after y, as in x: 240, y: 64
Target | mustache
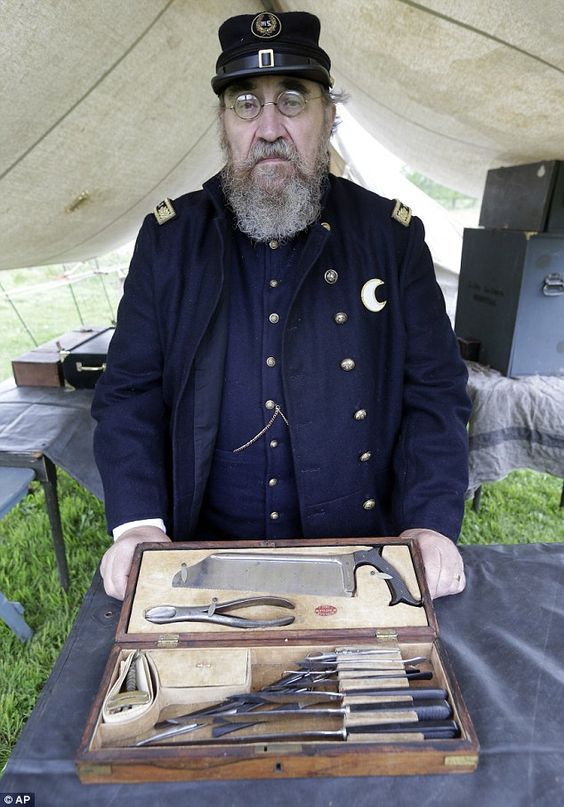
x: 263, y: 150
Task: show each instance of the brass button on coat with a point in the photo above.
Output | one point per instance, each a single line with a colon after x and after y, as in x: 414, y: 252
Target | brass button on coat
x: 348, y: 364
x: 365, y: 456
x: 369, y: 504
x: 331, y: 276
x: 274, y: 318
x: 360, y: 414
x: 326, y: 225
x: 273, y: 443
x: 271, y: 361
x: 274, y: 516
x: 273, y: 244
x: 273, y: 284
x: 340, y: 317
x: 272, y: 482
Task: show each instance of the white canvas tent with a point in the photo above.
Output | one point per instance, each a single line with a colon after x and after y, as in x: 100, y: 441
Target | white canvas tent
x: 106, y: 107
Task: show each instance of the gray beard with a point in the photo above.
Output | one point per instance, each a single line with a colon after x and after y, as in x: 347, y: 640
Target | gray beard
x: 274, y: 210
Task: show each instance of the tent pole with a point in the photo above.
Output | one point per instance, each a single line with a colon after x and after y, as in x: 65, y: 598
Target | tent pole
x: 73, y: 295
x: 19, y: 316
x: 101, y: 276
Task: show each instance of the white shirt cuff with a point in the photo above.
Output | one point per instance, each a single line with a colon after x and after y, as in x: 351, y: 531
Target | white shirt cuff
x: 145, y: 522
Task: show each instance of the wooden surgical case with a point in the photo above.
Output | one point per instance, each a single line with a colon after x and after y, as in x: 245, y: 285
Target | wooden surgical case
x: 186, y: 667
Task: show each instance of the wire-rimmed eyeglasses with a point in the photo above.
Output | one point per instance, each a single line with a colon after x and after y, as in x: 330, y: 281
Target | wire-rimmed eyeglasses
x: 289, y: 103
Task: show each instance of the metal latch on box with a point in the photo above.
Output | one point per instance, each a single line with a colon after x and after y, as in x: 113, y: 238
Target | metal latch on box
x: 467, y: 761
x: 387, y: 635
x: 83, y: 368
x: 553, y: 285
x: 94, y: 771
x: 279, y: 748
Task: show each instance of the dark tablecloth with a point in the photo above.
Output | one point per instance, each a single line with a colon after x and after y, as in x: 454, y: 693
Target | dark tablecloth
x: 54, y: 421
x: 504, y: 636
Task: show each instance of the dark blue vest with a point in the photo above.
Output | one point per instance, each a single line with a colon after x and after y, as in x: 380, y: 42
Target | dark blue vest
x: 251, y: 491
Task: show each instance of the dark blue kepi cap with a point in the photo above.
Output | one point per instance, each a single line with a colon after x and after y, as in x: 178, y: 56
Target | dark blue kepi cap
x: 271, y: 44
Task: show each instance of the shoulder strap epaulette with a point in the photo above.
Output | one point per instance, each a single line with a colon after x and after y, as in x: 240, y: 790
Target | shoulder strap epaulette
x: 401, y: 234
x: 402, y: 213
x: 164, y: 211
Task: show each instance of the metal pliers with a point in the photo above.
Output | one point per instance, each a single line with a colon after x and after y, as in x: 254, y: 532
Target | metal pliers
x: 215, y: 613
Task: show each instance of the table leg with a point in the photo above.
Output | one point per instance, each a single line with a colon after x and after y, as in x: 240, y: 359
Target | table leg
x: 477, y: 500
x: 46, y: 473
x: 49, y: 481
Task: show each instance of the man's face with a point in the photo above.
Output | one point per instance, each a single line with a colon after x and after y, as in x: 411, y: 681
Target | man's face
x: 305, y: 135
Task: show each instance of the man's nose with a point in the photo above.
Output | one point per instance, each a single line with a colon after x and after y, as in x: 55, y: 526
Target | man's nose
x: 271, y: 124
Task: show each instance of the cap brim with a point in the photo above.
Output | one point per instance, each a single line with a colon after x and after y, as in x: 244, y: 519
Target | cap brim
x: 310, y: 72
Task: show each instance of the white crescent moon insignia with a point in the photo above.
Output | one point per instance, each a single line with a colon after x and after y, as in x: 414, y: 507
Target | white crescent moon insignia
x: 368, y: 295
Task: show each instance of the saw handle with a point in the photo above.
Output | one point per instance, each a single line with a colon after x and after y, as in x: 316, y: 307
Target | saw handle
x: 398, y: 589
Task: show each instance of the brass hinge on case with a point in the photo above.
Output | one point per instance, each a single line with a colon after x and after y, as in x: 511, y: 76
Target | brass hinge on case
x: 168, y: 640
x: 387, y: 635
x: 467, y: 761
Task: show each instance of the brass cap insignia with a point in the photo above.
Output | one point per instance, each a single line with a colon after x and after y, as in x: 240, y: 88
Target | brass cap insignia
x: 402, y: 213
x: 164, y: 211
x: 266, y: 25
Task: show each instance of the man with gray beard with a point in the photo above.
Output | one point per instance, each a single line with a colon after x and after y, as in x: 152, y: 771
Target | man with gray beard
x: 283, y: 365
x: 273, y: 206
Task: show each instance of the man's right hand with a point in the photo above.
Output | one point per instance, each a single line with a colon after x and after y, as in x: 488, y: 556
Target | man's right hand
x: 116, y: 562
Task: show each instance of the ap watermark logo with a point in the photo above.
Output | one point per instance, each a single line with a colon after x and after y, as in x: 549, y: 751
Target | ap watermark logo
x: 11, y: 799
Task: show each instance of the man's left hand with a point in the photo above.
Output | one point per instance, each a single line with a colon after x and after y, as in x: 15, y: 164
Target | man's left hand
x: 444, y: 568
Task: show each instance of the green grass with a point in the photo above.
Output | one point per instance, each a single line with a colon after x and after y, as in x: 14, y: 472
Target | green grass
x: 28, y: 574
x: 523, y: 508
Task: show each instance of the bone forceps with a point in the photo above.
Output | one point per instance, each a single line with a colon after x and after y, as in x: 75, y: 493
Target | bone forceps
x: 216, y: 613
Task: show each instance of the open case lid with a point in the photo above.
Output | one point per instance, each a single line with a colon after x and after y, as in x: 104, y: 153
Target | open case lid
x: 325, y: 617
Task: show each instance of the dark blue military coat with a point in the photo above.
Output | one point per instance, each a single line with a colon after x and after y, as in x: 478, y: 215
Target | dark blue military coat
x: 404, y: 405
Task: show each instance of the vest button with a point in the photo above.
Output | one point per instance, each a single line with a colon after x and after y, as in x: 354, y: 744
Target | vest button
x: 274, y: 516
x: 274, y: 318
x: 365, y: 456
x: 331, y: 276
x: 272, y: 482
x: 271, y: 361
x: 347, y: 365
x: 269, y: 404
x: 360, y: 414
x: 273, y: 443
x: 326, y: 225
x: 273, y: 284
x: 340, y: 317
x: 369, y: 504
x: 273, y: 244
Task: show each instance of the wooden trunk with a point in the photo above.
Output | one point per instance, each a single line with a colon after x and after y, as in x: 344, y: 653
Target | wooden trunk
x: 43, y: 366
x: 194, y: 665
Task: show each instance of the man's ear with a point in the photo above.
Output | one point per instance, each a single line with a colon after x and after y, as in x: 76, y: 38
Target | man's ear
x: 330, y: 114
